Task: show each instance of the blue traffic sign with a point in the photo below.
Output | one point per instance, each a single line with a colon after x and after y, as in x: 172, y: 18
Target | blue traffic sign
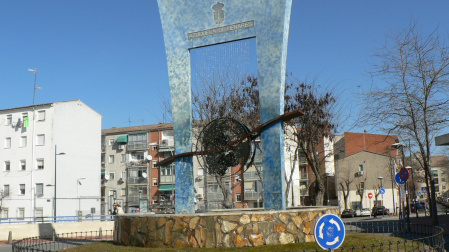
x: 398, y: 179
x: 382, y: 191
x: 329, y: 231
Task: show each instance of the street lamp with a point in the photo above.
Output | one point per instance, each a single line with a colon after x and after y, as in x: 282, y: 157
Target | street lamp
x: 54, y: 200
x: 79, y: 200
x: 381, y: 186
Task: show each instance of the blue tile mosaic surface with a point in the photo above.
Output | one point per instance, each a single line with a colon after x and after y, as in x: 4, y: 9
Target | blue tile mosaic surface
x: 191, y: 24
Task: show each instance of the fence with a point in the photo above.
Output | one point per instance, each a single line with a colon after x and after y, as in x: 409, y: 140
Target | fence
x: 417, y: 237
x: 62, y: 241
x: 47, y: 219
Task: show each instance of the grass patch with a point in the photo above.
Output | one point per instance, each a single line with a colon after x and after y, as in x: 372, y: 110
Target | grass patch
x: 351, y: 240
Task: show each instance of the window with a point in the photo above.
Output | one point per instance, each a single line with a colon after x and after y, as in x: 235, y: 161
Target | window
x: 238, y: 197
x: 41, y: 115
x: 111, y: 159
x: 154, y: 181
x: 8, y: 120
x: 154, y: 164
x: 23, y: 141
x: 111, y: 142
x: 123, y: 175
x: 123, y: 190
x: 5, y: 190
x: 5, y: 213
x: 123, y: 158
x: 7, y: 166
x: 40, y: 139
x: 23, y: 165
x: 112, y: 176
x: 20, y: 213
x: 39, y: 189
x: 39, y: 212
x: 154, y: 147
x: 360, y: 167
x: 40, y: 164
x: 22, y: 189
x: 7, y: 143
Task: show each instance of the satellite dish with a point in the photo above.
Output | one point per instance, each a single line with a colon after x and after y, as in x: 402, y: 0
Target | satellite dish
x: 149, y: 157
x: 106, y: 176
x: 144, y: 175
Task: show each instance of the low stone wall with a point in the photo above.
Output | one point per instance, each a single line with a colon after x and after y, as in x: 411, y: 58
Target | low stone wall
x: 219, y: 229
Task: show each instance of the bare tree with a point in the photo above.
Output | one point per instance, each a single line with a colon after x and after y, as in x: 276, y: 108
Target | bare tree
x: 314, y: 127
x: 236, y: 98
x: 344, y: 180
x: 414, y: 101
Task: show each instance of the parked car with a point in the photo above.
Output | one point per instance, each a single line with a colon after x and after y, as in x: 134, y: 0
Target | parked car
x: 348, y: 213
x: 380, y: 210
x: 363, y: 212
x: 420, y: 207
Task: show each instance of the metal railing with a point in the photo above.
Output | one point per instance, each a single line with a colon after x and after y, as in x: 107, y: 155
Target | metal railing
x: 417, y: 238
x: 48, y: 219
x: 57, y: 242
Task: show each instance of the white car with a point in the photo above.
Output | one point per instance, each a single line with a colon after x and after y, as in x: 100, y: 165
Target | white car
x: 363, y: 212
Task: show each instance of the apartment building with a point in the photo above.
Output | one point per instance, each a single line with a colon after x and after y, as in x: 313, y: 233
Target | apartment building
x: 440, y: 174
x: 129, y: 174
x: 364, y: 164
x: 50, y: 160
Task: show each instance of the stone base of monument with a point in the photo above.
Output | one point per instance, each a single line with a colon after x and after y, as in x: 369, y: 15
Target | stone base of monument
x: 245, y: 227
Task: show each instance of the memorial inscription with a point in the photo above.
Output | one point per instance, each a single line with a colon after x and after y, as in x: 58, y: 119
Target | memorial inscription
x: 218, y: 30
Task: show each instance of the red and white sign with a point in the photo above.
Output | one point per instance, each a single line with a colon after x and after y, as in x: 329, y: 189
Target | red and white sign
x: 370, y: 195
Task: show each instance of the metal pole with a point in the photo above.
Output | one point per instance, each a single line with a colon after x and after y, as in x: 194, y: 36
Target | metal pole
x: 327, y: 188
x: 406, y: 195
x: 54, y: 201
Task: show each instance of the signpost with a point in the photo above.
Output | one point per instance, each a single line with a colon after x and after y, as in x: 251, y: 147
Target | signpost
x: 370, y: 195
x: 382, y: 191
x: 329, y: 232
x: 398, y: 179
x: 404, y: 174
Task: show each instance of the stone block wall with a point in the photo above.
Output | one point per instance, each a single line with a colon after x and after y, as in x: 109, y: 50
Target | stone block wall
x: 219, y: 229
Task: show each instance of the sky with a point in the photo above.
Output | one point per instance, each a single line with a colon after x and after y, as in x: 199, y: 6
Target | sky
x: 110, y: 53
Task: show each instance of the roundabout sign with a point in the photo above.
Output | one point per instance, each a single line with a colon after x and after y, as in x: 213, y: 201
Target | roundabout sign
x: 329, y: 231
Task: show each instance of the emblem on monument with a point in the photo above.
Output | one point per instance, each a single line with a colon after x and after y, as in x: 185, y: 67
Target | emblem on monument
x: 218, y: 12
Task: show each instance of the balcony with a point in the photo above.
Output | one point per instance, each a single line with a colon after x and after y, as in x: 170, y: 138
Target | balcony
x: 252, y: 195
x: 166, y: 145
x: 215, y: 196
x: 137, y: 180
x: 167, y: 179
x: 135, y: 162
x: 304, y: 176
x: 137, y: 145
x: 134, y: 200
x: 252, y: 176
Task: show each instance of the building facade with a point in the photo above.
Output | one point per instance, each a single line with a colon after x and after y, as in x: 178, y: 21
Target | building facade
x: 47, y: 149
x: 365, y: 163
x: 130, y: 175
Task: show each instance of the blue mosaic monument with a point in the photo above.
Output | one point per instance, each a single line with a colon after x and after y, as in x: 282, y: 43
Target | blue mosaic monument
x: 192, y: 24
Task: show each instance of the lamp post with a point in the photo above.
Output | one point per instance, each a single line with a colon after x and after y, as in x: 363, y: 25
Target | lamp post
x: 327, y: 187
x: 54, y: 200
x: 79, y: 201
x: 381, y: 186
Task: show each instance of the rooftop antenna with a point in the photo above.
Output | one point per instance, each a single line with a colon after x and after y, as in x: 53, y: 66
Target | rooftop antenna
x: 129, y: 121
x: 35, y: 85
